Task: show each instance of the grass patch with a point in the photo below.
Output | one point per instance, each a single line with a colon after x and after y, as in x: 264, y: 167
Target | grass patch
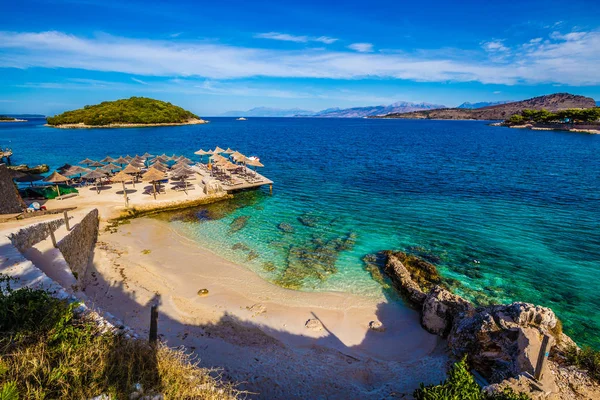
x: 47, y: 352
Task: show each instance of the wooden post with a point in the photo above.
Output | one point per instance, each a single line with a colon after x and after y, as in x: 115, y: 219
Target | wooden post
x: 271, y: 188
x: 67, y: 220
x: 153, y: 324
x: 542, y: 357
x: 52, y: 237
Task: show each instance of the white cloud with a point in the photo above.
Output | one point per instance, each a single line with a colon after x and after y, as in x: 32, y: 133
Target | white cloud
x: 361, y: 47
x: 494, y: 46
x: 293, y: 38
x: 139, y: 81
x: 496, y: 92
x: 567, y: 59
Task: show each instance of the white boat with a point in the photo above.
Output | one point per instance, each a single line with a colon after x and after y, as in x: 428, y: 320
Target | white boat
x: 241, y: 119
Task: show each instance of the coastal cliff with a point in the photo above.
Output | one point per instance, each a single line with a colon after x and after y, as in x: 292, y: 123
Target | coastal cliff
x: 552, y: 102
x: 501, y: 341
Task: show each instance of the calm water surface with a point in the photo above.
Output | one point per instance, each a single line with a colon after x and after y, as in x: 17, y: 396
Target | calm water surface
x: 523, y: 203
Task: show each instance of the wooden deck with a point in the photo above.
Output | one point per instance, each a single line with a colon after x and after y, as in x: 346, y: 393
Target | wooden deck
x: 260, y: 181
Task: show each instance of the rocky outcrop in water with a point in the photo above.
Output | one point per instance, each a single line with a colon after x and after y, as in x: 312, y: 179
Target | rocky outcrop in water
x: 38, y: 169
x: 238, y: 223
x: 501, y: 341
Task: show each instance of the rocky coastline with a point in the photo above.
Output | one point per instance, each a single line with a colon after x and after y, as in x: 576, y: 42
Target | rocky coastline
x: 81, y: 125
x: 500, y: 341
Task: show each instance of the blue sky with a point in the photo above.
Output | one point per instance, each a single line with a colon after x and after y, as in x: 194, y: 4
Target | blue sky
x: 211, y: 57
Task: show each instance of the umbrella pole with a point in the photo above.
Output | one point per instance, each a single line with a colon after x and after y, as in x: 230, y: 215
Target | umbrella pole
x: 125, y: 194
x: 154, y: 189
x: 57, y: 190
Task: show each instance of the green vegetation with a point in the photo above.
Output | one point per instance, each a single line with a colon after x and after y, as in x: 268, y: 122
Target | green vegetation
x: 46, y: 352
x: 6, y: 118
x: 135, y: 110
x: 573, y: 115
x: 587, y: 359
x: 461, y: 385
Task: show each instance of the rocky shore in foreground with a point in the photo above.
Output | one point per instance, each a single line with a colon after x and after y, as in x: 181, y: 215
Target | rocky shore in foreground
x: 501, y: 341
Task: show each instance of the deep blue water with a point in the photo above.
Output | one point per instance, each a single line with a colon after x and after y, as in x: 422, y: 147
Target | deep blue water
x: 523, y: 203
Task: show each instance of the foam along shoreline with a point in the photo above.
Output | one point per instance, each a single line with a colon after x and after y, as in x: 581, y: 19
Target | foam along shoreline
x: 254, y: 328
x: 81, y: 125
x: 13, y: 120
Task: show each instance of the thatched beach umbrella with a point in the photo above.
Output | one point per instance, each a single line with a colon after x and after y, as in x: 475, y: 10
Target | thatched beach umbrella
x: 185, y: 160
x: 123, y: 177
x: 153, y: 175
x: 107, y: 159
x: 128, y: 158
x: 159, y: 167
x: 122, y: 161
x: 182, y: 176
x: 218, y: 150
x: 75, y: 170
x: 254, y: 162
x: 87, y: 161
x: 112, y: 167
x: 201, y: 152
x: 95, y: 175
x: 147, y: 155
x: 133, y: 170
x: 56, y: 178
x: 229, y: 151
x: 63, y: 168
x: 30, y: 178
x: 96, y: 164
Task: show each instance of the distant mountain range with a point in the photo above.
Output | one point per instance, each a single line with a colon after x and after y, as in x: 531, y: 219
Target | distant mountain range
x: 551, y: 102
x: 467, y: 110
x: 481, y: 104
x: 267, y: 112
x: 355, y: 112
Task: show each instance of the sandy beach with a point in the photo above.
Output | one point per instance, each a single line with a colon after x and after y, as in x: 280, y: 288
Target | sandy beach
x: 255, y: 330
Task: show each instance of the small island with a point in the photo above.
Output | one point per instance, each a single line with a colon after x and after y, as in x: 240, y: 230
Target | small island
x: 125, y: 113
x: 4, y: 118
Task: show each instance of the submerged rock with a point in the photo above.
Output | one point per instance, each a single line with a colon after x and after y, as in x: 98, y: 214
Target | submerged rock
x: 240, y: 246
x: 308, y: 220
x: 252, y: 255
x: 285, y: 227
x: 269, y: 266
x: 238, y: 223
x: 315, y: 259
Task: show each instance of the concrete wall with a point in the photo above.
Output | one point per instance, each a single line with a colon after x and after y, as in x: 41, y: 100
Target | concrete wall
x: 10, y: 201
x: 33, y: 234
x: 78, y: 246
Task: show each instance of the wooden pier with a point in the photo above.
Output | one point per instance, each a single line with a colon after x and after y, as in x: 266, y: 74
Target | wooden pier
x: 257, y: 182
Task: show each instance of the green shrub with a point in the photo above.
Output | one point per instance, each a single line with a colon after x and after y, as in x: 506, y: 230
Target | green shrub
x: 461, y: 385
x: 586, y: 358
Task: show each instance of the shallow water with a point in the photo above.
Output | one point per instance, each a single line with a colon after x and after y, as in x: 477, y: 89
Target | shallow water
x: 523, y: 203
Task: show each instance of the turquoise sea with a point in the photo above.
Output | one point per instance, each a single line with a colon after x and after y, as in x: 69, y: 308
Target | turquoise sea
x: 523, y: 204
